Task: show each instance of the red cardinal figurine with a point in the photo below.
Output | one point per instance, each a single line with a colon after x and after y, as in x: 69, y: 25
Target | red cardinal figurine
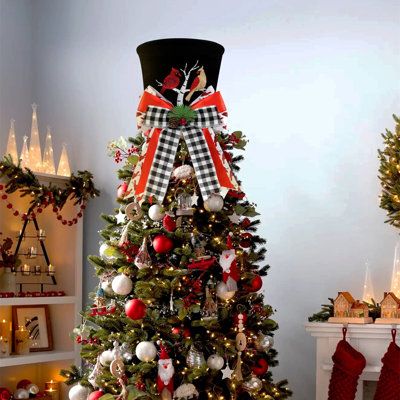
x: 171, y: 81
x: 198, y: 84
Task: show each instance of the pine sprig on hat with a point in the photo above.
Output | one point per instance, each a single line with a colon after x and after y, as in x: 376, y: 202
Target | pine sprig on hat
x: 181, y: 115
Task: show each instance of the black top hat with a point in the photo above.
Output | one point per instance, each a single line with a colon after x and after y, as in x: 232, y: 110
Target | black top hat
x: 165, y: 61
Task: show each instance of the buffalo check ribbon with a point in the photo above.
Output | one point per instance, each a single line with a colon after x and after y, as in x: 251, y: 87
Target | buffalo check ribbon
x: 152, y: 174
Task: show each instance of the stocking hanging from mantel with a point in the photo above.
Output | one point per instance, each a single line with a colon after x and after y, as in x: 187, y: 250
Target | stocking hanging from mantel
x: 348, y: 364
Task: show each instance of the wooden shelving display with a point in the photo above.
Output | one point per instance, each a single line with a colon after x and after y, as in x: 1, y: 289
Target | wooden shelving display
x: 64, y: 246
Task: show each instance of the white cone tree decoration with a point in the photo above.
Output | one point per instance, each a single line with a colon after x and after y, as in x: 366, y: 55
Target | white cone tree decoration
x: 395, y: 284
x: 63, y: 166
x: 12, y: 144
x: 368, y: 289
x: 35, y: 153
x: 48, y: 158
x: 25, y: 156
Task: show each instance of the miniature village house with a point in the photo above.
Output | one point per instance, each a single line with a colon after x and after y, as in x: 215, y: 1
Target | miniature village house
x: 348, y: 310
x: 390, y: 306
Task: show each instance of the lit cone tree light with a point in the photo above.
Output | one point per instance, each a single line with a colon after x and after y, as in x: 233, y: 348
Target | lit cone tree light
x: 12, y: 144
x: 368, y: 288
x: 25, y: 156
x: 63, y: 166
x: 395, y: 282
x: 178, y: 312
x: 48, y: 157
x: 35, y: 153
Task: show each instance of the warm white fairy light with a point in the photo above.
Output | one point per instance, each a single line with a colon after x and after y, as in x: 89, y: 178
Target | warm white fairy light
x: 35, y: 152
x: 48, y: 158
x: 63, y: 166
x: 12, y: 144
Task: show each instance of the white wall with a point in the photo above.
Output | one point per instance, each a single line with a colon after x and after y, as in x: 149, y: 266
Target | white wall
x: 312, y: 84
x: 15, y: 68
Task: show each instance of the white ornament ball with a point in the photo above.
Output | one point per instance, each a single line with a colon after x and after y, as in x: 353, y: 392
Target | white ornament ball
x: 78, y: 392
x: 183, y: 172
x: 223, y: 293
x: 156, y: 212
x: 21, y: 394
x: 122, y: 285
x: 106, y: 357
x: 106, y: 286
x: 215, y: 362
x: 214, y: 203
x: 146, y: 351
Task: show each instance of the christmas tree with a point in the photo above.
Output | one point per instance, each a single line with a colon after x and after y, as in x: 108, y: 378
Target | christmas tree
x: 178, y: 312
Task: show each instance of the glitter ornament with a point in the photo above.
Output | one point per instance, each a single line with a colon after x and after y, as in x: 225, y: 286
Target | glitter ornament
x: 122, y: 285
x: 195, y: 358
x: 32, y: 389
x: 156, y: 212
x: 183, y: 172
x: 253, y: 385
x: 146, y: 351
x: 223, y: 293
x: 214, y: 203
x: 185, y: 392
x: 142, y: 259
x: 78, y: 392
x: 215, y: 362
x: 263, y: 342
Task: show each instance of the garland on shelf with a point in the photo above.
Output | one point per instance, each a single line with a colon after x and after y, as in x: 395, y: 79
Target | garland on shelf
x: 80, y: 188
x: 389, y: 174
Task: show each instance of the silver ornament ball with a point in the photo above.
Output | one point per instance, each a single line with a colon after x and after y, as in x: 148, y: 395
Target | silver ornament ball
x: 214, y: 203
x: 264, y: 342
x: 195, y: 358
x: 32, y: 389
x: 253, y: 385
x: 215, y: 362
x: 146, y: 351
x: 21, y: 394
x: 223, y: 293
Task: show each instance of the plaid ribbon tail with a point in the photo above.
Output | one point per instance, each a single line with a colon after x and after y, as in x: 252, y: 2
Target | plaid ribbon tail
x: 163, y: 163
x: 202, y: 161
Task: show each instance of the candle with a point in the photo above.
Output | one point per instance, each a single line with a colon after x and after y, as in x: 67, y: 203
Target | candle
x: 22, y: 342
x: 26, y: 269
x: 4, y: 346
x: 51, y: 389
x: 38, y: 270
x: 4, y: 328
x: 42, y: 234
x: 51, y: 270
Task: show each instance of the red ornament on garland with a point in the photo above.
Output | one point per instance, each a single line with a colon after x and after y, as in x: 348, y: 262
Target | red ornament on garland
x: 122, y: 188
x: 23, y: 384
x: 245, y: 240
x: 261, y: 367
x: 162, y: 244
x: 169, y: 223
x: 5, y: 394
x: 95, y: 395
x: 135, y: 309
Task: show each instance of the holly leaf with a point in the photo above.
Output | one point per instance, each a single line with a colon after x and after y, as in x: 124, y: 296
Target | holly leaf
x: 251, y: 212
x: 240, y: 210
x: 238, y: 134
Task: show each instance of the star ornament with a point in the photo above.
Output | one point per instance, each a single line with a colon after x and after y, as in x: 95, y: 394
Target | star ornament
x: 227, y: 372
x: 195, y: 198
x: 234, y: 218
x: 120, y: 217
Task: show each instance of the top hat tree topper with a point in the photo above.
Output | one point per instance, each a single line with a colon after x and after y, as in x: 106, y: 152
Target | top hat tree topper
x: 180, y: 69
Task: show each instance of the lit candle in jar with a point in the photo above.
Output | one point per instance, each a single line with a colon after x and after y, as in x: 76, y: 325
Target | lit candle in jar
x: 51, y: 270
x: 26, y: 269
x: 42, y: 234
x: 22, y: 341
x: 51, y: 389
x: 38, y: 270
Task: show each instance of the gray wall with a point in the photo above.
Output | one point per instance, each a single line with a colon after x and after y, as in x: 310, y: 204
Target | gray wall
x: 312, y: 84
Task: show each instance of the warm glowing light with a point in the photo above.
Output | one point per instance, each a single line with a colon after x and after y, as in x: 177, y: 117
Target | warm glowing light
x: 63, y: 166
x: 395, y: 283
x: 35, y: 152
x: 368, y: 288
x: 25, y: 159
x: 48, y: 158
x: 12, y: 144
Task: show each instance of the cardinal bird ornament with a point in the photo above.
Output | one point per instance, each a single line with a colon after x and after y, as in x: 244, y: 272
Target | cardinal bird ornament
x: 198, y: 84
x: 171, y: 81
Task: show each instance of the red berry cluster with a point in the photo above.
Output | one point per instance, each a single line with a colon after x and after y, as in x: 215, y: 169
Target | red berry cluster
x: 102, y: 310
x: 86, y: 341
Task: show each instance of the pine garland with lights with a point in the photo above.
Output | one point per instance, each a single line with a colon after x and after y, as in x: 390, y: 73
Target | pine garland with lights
x: 179, y: 288
x: 389, y: 174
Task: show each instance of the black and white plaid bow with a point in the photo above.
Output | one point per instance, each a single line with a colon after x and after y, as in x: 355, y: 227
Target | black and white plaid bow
x: 161, y: 169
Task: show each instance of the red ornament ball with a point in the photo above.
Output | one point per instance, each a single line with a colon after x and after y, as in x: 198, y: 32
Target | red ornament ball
x: 162, y: 244
x: 135, y: 309
x: 176, y: 330
x: 122, y: 188
x: 23, y: 383
x: 169, y: 223
x: 260, y: 367
x: 95, y: 395
x: 255, y: 284
x: 5, y: 394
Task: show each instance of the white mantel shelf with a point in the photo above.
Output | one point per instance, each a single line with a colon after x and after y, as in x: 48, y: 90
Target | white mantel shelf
x: 371, y: 340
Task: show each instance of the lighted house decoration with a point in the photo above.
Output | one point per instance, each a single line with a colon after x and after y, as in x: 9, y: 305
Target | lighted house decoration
x: 348, y: 310
x: 390, y: 309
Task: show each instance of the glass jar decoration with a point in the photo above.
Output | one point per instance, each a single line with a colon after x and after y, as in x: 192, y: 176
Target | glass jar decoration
x: 184, y: 201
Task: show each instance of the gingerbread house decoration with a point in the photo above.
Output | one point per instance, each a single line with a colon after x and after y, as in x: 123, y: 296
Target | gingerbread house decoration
x: 390, y: 309
x: 348, y: 310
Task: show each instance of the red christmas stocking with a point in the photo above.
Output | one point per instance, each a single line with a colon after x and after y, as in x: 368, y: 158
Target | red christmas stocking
x: 348, y: 364
x: 389, y: 381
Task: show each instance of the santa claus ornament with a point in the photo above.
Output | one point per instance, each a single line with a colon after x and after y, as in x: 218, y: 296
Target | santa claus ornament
x: 230, y: 271
x: 165, y: 377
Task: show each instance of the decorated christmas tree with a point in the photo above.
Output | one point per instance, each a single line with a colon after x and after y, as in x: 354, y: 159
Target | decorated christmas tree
x: 179, y: 312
